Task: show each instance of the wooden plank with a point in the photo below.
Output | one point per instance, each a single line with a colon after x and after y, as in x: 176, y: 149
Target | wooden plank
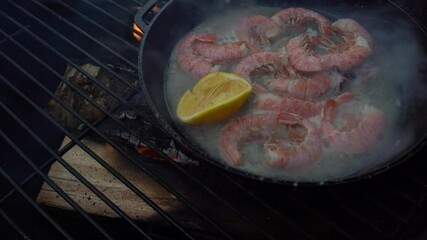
x: 104, y: 181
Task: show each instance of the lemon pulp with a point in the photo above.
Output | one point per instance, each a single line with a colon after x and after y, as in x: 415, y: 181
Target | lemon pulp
x: 214, y: 98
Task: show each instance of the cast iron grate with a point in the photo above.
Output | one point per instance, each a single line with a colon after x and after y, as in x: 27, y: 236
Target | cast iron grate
x: 39, y: 38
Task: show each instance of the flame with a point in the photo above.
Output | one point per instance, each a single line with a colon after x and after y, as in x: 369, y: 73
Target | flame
x: 137, y: 30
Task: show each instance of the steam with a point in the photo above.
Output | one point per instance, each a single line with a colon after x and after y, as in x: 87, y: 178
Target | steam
x: 399, y: 55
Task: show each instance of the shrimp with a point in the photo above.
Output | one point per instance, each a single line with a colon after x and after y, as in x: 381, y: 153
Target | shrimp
x: 301, y: 107
x: 355, y: 47
x: 360, y: 132
x: 261, y: 62
x: 220, y: 53
x: 245, y: 129
x: 302, y: 87
x: 302, y: 55
x: 257, y: 31
x: 295, y: 154
x: 356, y: 54
x: 262, y: 126
x: 199, y: 65
x: 296, y: 17
x: 351, y: 26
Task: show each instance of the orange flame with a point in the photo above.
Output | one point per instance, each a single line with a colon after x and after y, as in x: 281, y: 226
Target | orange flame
x: 137, y: 30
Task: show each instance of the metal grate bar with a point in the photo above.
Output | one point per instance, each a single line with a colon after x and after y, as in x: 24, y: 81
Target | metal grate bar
x: 28, y: 198
x: 137, y: 2
x: 150, y: 146
x: 119, y: 6
x: 211, y: 192
x: 416, y: 180
x: 55, y: 187
x: 74, y: 172
x: 72, y: 44
x: 301, y: 204
x: 403, y: 195
x: 15, y: 33
x: 384, y: 208
x: 62, y: 151
x: 13, y: 225
x: 105, y: 12
x: 264, y: 204
x: 98, y: 159
x: 69, y: 62
x: 355, y: 214
x: 170, y: 160
x: 97, y: 25
x: 73, y: 26
x: 105, y: 165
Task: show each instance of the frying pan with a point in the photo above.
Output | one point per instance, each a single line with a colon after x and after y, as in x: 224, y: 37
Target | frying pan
x: 178, y: 17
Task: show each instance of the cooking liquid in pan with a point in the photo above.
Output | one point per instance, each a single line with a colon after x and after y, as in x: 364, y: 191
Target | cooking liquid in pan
x: 396, y: 52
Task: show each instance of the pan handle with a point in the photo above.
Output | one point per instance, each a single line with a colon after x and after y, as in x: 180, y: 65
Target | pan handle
x: 149, y: 7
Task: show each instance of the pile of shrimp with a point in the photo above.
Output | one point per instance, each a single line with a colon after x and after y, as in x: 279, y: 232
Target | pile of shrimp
x: 297, y: 111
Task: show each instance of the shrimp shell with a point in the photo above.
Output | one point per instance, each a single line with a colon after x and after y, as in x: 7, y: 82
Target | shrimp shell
x: 302, y: 87
x: 296, y: 155
x: 301, y: 107
x: 295, y: 17
x: 197, y: 53
x: 272, y: 61
x: 257, y: 31
x: 243, y: 129
x: 359, y: 134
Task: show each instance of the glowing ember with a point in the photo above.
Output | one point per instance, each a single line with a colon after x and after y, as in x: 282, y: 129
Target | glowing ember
x: 147, y: 151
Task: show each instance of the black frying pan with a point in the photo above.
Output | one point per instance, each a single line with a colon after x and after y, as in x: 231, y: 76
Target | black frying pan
x: 178, y: 17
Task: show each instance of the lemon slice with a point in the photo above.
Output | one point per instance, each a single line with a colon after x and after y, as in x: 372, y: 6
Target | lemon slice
x: 214, y: 98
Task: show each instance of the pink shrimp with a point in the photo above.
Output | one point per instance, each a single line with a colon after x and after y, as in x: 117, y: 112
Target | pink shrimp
x: 302, y: 56
x: 261, y: 62
x: 302, y: 87
x: 296, y: 17
x: 245, y: 129
x: 350, y: 25
x: 301, y: 107
x: 359, y: 134
x: 355, y: 55
x: 354, y: 48
x: 257, y: 31
x: 295, y: 154
x: 220, y: 53
x: 263, y: 126
x: 198, y: 65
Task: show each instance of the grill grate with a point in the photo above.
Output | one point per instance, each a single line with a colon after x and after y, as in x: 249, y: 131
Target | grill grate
x: 39, y: 38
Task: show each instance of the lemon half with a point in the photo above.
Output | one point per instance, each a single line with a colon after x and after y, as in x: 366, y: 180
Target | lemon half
x: 214, y: 98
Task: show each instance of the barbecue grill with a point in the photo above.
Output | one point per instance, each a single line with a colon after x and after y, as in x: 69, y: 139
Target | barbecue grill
x: 117, y: 173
